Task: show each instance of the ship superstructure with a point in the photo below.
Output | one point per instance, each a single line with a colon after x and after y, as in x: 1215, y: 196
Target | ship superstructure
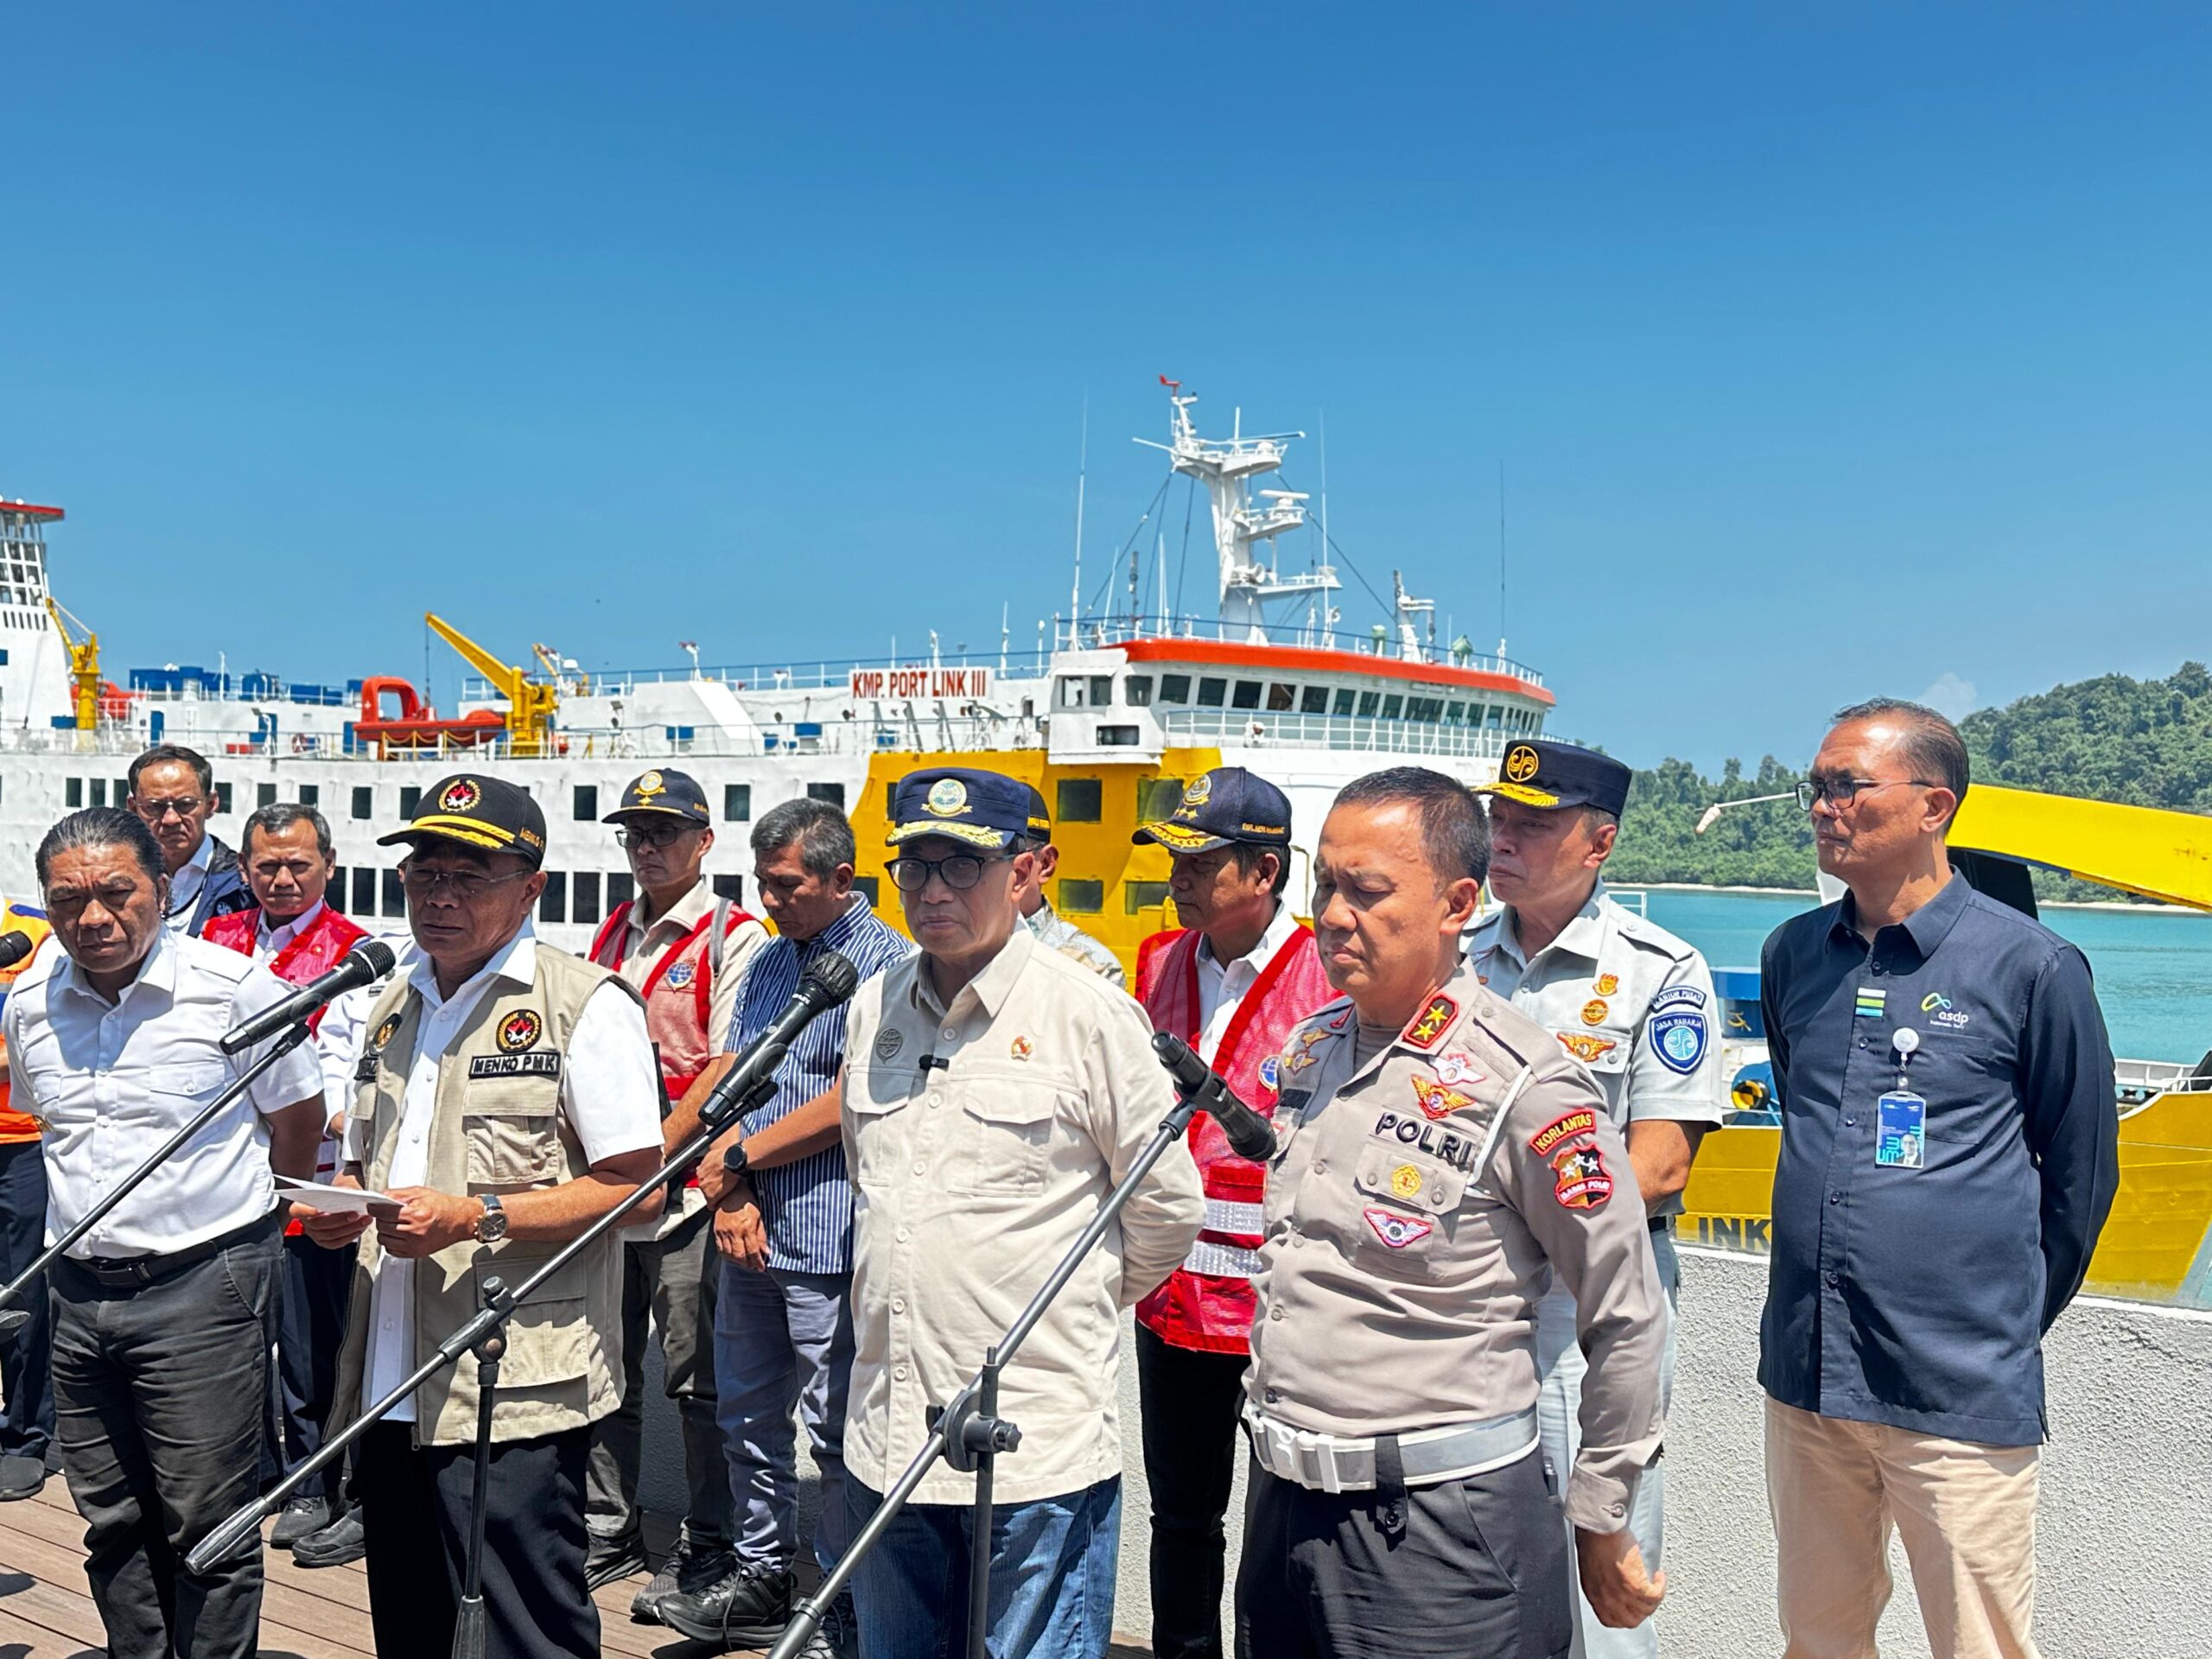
x: 1110, y: 715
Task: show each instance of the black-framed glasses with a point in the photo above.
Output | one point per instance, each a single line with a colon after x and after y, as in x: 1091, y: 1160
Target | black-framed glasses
x: 466, y: 885
x: 959, y: 871
x: 651, y: 835
x: 1842, y: 793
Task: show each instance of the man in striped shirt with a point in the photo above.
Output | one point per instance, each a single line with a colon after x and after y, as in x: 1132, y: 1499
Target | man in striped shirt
x: 783, y: 1331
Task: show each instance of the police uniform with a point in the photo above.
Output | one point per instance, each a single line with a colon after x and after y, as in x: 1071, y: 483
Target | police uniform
x: 983, y: 1133
x: 534, y: 1071
x: 1055, y: 929
x: 1420, y: 1198
x: 1634, y: 1005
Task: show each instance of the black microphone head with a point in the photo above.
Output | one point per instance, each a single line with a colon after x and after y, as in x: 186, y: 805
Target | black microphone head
x: 375, y: 952
x: 15, y: 945
x: 834, y: 978
x: 1181, y: 1060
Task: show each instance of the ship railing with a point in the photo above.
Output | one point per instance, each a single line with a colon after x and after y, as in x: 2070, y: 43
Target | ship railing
x: 822, y: 674
x: 1100, y: 632
x: 1257, y: 728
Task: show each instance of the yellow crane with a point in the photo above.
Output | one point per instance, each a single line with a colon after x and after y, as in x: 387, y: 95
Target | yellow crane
x: 84, y: 664
x: 530, y: 704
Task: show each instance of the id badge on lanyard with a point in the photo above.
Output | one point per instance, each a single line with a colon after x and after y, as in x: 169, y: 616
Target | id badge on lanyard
x: 1901, y: 1116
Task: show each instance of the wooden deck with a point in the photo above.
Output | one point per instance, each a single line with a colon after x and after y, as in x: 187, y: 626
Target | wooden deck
x: 46, y: 1611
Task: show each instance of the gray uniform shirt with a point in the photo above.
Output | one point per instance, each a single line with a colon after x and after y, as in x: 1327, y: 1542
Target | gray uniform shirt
x: 1627, y: 999
x: 1053, y: 929
x: 1417, y: 1207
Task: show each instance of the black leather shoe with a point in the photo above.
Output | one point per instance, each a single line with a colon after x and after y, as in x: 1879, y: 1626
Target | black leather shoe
x: 609, y: 1559
x: 694, y: 1568
x: 20, y: 1478
x: 302, y: 1516
x: 344, y: 1540
x: 746, y: 1607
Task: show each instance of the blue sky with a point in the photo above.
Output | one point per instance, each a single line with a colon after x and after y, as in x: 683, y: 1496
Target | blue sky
x: 1827, y: 351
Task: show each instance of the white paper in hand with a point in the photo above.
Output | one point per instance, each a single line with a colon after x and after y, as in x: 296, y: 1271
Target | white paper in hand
x: 333, y: 1200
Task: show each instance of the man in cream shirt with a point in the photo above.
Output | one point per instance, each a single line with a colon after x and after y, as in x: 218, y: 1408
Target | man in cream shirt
x: 994, y: 1092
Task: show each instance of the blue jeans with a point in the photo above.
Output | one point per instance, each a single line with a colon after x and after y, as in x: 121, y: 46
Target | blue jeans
x: 783, y: 1338
x: 27, y: 1429
x: 1051, y: 1577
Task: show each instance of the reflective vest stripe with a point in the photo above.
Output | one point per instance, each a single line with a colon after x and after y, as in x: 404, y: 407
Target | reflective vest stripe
x: 1213, y: 1260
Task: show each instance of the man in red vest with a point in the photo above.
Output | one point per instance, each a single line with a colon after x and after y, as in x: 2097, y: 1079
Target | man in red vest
x: 286, y: 859
x: 684, y: 952
x: 1231, y: 982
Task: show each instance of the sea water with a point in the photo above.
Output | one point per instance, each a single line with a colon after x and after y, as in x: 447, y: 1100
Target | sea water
x: 2153, y: 964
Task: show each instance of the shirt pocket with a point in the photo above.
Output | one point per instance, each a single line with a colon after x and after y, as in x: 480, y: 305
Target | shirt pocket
x: 874, y: 1097
x: 166, y: 1097
x: 1408, y: 1209
x: 549, y: 1337
x: 1002, y: 1140
x: 512, y: 1130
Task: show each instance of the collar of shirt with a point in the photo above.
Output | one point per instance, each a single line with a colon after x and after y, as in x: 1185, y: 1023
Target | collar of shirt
x: 1926, y: 927
x: 157, y: 969
x: 516, y: 960
x: 1279, y: 927
x: 185, y: 884
x: 1584, y: 935
x: 990, y: 987
x: 840, y: 932
x: 268, y: 941
x: 681, y: 917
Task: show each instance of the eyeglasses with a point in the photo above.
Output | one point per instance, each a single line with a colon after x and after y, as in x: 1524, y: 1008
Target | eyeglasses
x: 655, y: 834
x: 959, y: 872
x: 1842, y: 793
x: 466, y: 885
x: 154, y: 811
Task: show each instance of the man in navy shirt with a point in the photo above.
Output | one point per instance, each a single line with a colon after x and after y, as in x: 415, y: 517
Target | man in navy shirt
x: 1949, y: 1152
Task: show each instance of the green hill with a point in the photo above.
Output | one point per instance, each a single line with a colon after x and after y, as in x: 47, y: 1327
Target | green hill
x: 2145, y: 742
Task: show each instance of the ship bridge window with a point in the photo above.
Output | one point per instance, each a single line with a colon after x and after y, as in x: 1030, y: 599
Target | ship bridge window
x: 865, y: 886
x: 1086, y: 690
x: 1117, y: 737
x: 1157, y: 797
x: 1247, y: 695
x: 1080, y: 801
x: 553, y: 903
x: 1282, y: 698
x: 1136, y: 691
x: 1344, y: 695
x: 1496, y: 714
x: 100, y: 792
x: 737, y: 802
x: 833, y: 793
x: 73, y: 792
x: 1138, y: 896
x: 334, y: 894
x: 731, y: 887
x: 410, y: 802
x: 365, y: 801
x: 1392, y: 705
x: 365, y: 893
x: 1424, y: 709
x: 1453, y: 713
x: 264, y: 795
x: 1369, y: 702
x: 1213, y: 693
x: 622, y: 888
x: 587, y: 806
x: 1314, y: 700
x: 310, y: 794
x: 392, y: 897
x: 222, y: 801
x: 1174, y: 688
x: 583, y: 895
x: 1079, y: 898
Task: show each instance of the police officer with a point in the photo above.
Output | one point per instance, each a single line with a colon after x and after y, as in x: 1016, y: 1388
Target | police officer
x: 1440, y: 1157
x: 1047, y: 924
x: 507, y: 1096
x: 994, y: 1091
x: 1231, y: 981
x: 1634, y: 1005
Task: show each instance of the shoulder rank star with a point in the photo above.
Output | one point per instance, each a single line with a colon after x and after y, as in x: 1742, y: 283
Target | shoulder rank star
x: 1437, y: 1101
x: 1428, y: 1026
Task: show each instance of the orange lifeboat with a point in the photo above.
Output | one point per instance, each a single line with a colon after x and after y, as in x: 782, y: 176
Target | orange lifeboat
x: 411, y: 723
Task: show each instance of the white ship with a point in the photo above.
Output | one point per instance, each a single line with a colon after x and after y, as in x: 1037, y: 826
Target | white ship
x: 1109, y: 720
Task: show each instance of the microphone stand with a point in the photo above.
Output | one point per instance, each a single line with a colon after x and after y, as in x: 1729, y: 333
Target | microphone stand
x: 969, y: 1435
x: 12, y: 1318
x: 486, y: 1337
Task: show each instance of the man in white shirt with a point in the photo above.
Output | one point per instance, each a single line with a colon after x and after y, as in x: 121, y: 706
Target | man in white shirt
x: 173, y: 791
x: 161, y: 1312
x: 507, y: 1098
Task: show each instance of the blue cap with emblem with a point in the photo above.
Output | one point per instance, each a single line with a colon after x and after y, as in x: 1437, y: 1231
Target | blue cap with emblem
x: 663, y: 790
x: 979, y: 809
x: 1539, y: 773
x: 1228, y: 804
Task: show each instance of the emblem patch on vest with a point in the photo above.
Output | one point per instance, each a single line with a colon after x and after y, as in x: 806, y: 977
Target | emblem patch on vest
x: 543, y: 1062
x: 1437, y: 1101
x: 1270, y: 1070
x: 1607, y: 984
x: 1427, y: 1029
x: 1580, y: 1182
x: 521, y: 1030
x: 1594, y: 1011
x: 1584, y: 1122
x: 385, y: 1033
x: 678, y: 975
x: 1396, y: 1231
x: 1586, y: 1048
x: 889, y: 1042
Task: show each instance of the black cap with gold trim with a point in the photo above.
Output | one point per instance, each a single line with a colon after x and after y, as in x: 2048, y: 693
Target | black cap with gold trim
x: 477, y: 811
x: 1228, y: 804
x: 667, y: 792
x: 1040, y: 816
x: 1538, y: 773
x: 981, y: 809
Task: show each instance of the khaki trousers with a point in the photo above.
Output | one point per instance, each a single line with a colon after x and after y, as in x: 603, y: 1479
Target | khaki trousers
x: 1966, y: 1513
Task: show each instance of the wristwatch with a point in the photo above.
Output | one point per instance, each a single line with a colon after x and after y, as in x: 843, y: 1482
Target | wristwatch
x: 734, y: 1160
x: 492, y: 1225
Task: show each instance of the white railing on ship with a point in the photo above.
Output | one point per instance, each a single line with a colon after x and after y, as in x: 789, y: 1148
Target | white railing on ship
x: 1093, y: 632
x: 1257, y: 728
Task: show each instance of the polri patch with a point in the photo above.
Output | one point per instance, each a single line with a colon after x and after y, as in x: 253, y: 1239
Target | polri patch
x: 1396, y: 1231
x: 539, y: 1063
x: 1427, y: 1028
x: 1564, y: 1128
x: 1580, y: 1178
x: 521, y: 1030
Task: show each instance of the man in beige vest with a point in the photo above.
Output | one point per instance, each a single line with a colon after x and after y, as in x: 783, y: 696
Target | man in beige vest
x: 506, y: 1096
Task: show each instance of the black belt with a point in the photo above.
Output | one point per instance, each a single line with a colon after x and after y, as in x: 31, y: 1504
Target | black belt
x: 130, y: 1272
x: 1662, y: 1223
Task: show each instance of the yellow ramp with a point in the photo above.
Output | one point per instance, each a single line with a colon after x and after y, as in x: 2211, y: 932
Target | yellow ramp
x: 2142, y: 849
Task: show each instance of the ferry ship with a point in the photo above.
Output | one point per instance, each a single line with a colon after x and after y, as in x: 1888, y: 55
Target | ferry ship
x: 1109, y: 720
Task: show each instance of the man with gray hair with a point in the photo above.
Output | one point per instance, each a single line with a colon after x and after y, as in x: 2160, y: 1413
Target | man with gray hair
x: 783, y: 1328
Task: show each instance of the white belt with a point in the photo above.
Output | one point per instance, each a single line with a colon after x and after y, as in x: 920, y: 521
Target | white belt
x: 1335, y: 1463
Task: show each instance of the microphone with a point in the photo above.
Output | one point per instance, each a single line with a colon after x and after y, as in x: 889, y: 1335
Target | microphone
x: 1250, y: 1134
x: 830, y: 981
x: 368, y: 960
x: 15, y: 945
